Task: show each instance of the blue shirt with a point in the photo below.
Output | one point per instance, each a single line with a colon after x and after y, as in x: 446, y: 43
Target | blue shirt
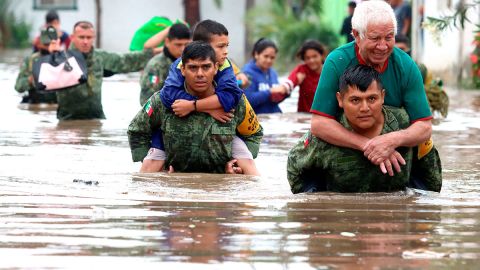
x: 227, y: 89
x: 258, y: 92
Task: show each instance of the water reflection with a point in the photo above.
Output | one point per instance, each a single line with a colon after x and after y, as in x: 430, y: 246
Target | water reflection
x: 112, y: 214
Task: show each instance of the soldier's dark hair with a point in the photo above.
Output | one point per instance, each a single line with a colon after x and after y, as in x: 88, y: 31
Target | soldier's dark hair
x: 205, y: 29
x: 83, y: 24
x: 263, y: 44
x: 198, y: 50
x: 179, y: 31
x: 352, y: 4
x: 359, y: 76
x: 310, y: 45
x: 51, y: 16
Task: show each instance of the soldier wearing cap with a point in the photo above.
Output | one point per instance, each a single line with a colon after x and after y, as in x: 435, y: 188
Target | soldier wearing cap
x: 315, y: 165
x: 25, y: 82
x: 197, y: 142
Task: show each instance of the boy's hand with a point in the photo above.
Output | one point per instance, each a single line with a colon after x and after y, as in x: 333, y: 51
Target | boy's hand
x: 182, y: 107
x: 244, y: 79
x: 221, y: 116
x: 232, y: 168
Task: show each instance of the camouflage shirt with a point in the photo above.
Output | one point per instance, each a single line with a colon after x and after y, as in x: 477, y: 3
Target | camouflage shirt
x: 313, y: 162
x: 197, y: 142
x: 23, y: 85
x: 84, y: 101
x: 154, y: 75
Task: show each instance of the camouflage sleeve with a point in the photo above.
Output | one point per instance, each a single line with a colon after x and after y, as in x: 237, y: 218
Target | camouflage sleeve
x: 427, y: 166
x: 22, y: 84
x: 140, y: 130
x: 128, y: 62
x: 248, y: 129
x: 304, y: 166
x: 153, y: 77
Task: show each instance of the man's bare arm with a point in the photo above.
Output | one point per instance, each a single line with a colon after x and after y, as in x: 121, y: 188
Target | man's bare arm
x: 331, y: 131
x: 381, y: 147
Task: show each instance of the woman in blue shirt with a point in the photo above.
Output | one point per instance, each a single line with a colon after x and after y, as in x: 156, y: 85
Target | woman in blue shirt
x: 263, y: 77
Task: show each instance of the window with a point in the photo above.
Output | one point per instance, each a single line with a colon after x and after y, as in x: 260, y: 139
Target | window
x: 55, y: 4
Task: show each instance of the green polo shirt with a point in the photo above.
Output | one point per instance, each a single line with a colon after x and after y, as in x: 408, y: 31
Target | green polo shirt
x: 401, y: 79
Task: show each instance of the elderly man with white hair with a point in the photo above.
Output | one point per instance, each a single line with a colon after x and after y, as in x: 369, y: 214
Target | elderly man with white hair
x: 374, y: 28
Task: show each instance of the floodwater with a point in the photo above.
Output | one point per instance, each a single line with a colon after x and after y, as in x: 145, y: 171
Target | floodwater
x: 70, y: 197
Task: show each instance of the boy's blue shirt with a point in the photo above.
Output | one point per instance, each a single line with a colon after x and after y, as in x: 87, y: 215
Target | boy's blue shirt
x: 227, y: 89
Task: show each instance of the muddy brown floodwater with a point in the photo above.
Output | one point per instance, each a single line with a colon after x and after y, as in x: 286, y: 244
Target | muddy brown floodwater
x: 70, y: 198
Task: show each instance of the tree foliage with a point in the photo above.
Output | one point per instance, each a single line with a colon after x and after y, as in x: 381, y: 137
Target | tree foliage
x: 457, y: 19
x: 14, y: 31
x: 289, y: 23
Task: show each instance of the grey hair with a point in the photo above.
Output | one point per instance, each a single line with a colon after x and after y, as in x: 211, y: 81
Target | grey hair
x: 372, y: 12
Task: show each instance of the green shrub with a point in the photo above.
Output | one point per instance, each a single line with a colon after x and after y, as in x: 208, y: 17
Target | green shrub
x: 14, y: 31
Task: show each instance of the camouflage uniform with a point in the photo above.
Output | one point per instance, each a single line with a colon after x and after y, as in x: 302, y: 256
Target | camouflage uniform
x: 154, y: 75
x: 197, y: 142
x: 84, y: 101
x: 22, y: 84
x: 325, y: 167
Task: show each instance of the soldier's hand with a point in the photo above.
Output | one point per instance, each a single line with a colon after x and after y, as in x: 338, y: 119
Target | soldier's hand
x: 170, y: 169
x: 221, y: 116
x: 182, y: 107
x: 393, y: 162
x: 380, y: 148
x: 232, y: 168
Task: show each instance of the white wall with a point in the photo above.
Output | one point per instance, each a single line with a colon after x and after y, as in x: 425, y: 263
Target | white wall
x: 232, y: 15
x: 121, y: 18
x: 447, y: 57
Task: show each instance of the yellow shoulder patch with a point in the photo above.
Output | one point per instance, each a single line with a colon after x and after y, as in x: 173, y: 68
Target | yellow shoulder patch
x: 250, y: 123
x: 226, y: 64
x: 424, y: 148
x: 179, y: 64
x: 236, y: 70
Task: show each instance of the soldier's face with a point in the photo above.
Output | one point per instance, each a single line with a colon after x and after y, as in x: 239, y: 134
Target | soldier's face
x: 220, y: 45
x: 199, y: 75
x: 176, y: 46
x: 363, y: 110
x: 83, y: 39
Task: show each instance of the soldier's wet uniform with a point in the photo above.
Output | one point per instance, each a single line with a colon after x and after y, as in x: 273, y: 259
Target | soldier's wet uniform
x: 314, y: 165
x: 84, y: 101
x: 197, y: 142
x: 155, y: 74
x: 23, y: 85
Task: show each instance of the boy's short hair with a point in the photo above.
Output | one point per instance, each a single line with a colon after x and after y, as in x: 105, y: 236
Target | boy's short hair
x: 359, y: 76
x: 51, y: 16
x: 198, y: 50
x: 205, y: 29
x: 179, y: 31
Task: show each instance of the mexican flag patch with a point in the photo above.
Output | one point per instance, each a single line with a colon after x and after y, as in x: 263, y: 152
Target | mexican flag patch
x: 153, y: 79
x: 148, y: 108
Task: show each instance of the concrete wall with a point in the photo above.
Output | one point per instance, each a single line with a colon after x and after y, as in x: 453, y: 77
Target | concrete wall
x: 121, y: 18
x: 448, y: 57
